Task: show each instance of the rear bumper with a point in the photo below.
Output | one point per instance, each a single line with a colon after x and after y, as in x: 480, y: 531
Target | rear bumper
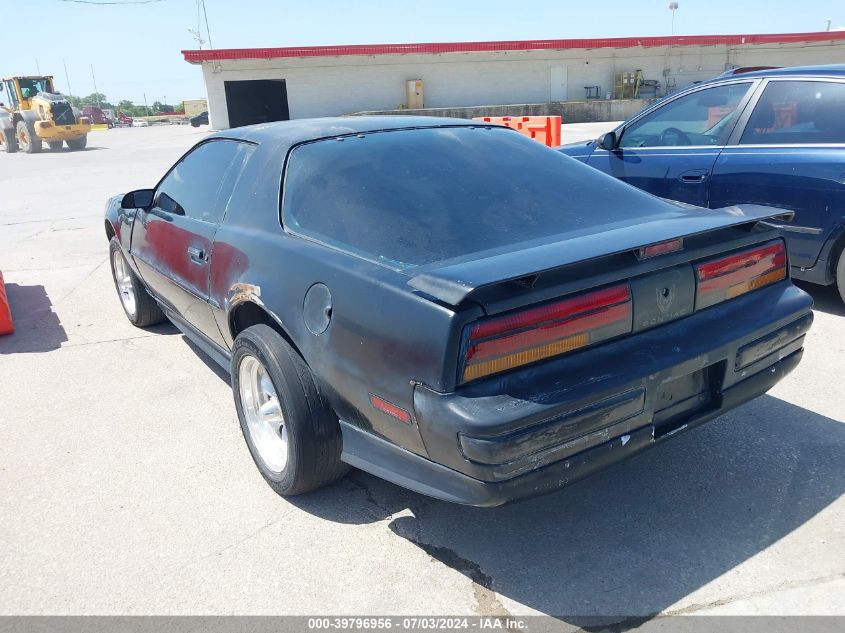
x: 532, y: 431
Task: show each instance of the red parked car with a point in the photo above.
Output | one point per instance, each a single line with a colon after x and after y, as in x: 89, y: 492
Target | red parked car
x: 96, y: 115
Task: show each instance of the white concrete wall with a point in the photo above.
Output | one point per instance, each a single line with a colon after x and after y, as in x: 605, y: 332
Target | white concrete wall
x: 329, y: 86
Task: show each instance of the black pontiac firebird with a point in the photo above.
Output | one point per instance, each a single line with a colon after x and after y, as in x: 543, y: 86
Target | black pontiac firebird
x: 450, y: 305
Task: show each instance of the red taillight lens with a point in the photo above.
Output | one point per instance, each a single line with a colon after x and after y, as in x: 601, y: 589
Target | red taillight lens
x: 728, y: 277
x: 501, y: 343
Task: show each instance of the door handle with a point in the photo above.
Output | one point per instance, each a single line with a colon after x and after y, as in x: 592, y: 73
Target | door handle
x: 197, y: 255
x: 693, y: 177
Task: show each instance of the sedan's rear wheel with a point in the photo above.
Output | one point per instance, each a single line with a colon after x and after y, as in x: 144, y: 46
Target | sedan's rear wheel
x: 840, y: 275
x: 263, y: 413
x: 140, y: 308
x: 291, y: 431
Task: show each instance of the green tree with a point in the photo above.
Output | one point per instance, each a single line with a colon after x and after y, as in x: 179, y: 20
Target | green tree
x: 97, y: 97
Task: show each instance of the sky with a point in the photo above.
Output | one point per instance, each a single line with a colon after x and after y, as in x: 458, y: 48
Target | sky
x: 135, y: 49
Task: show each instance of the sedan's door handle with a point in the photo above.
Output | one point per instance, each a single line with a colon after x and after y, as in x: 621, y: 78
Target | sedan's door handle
x: 197, y: 255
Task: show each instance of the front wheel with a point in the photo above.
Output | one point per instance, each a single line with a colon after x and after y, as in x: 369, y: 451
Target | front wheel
x: 27, y: 138
x: 291, y: 431
x: 140, y: 308
x: 77, y: 143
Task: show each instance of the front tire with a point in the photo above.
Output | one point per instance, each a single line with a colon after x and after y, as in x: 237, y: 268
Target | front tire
x: 291, y: 431
x: 10, y: 141
x: 27, y: 138
x: 77, y: 143
x: 140, y: 308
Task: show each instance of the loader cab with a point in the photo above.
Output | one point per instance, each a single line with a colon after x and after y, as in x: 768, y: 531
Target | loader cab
x: 12, y: 99
x: 21, y: 90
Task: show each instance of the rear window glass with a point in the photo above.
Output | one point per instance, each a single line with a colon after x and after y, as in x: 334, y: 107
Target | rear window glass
x: 412, y: 197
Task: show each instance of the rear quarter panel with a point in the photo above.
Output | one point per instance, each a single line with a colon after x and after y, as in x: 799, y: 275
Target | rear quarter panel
x: 382, y: 338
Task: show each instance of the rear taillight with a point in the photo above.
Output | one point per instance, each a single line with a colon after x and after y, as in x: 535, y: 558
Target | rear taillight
x: 728, y: 277
x: 501, y: 343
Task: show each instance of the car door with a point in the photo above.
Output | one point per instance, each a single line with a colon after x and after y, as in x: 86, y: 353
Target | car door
x: 789, y: 152
x: 172, y: 242
x: 670, y: 151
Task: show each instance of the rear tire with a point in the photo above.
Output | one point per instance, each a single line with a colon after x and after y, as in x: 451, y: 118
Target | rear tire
x: 77, y: 143
x: 55, y: 145
x: 138, y: 305
x: 291, y: 431
x: 840, y: 275
x: 27, y: 139
x: 10, y: 141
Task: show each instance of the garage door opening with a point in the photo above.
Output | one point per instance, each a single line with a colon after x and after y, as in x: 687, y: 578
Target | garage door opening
x: 256, y: 101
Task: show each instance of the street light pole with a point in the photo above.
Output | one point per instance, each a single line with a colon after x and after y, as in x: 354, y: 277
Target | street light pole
x: 673, y: 6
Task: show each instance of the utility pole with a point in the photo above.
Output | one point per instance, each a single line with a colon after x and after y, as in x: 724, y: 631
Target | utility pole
x: 96, y: 94
x: 38, y: 68
x: 146, y: 109
x: 673, y: 6
x: 208, y: 32
x: 67, y: 78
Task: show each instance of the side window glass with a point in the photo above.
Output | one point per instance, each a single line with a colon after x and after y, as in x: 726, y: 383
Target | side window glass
x: 797, y: 112
x: 705, y: 117
x: 201, y: 184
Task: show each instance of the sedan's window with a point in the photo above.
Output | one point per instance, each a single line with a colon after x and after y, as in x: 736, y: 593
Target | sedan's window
x: 798, y: 112
x: 201, y: 184
x: 412, y: 197
x: 704, y: 117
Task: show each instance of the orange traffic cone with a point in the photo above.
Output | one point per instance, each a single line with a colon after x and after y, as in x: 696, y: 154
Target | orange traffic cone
x: 6, y: 325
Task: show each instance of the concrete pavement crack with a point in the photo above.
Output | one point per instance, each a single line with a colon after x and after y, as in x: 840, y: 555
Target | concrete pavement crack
x: 82, y: 281
x: 788, y: 584
x: 235, y: 544
x: 487, y: 603
x: 365, y: 488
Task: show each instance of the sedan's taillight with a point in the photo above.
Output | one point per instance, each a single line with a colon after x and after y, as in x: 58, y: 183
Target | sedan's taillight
x: 728, y: 277
x: 527, y: 336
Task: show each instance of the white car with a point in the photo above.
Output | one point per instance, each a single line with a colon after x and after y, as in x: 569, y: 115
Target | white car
x: 140, y: 123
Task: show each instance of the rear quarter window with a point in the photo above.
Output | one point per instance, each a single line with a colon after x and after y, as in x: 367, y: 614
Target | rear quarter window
x: 798, y: 112
x: 407, y: 198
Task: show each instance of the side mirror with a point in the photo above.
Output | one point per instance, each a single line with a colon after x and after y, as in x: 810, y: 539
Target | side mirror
x: 138, y: 199
x: 608, y: 141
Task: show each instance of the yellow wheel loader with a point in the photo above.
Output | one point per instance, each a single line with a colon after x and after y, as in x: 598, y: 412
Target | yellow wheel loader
x: 33, y: 113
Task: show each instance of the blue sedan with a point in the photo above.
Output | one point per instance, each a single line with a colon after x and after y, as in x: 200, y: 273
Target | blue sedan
x: 773, y: 137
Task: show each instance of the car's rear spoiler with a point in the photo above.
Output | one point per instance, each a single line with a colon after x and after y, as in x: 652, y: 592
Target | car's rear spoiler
x: 453, y: 283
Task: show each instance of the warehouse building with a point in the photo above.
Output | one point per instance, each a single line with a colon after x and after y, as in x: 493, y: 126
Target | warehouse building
x: 267, y: 84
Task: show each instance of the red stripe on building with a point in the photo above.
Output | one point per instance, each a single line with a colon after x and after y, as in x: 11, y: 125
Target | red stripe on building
x: 198, y: 56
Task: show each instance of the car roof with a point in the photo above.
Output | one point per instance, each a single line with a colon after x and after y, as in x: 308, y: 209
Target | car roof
x: 303, y: 130
x: 822, y: 70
